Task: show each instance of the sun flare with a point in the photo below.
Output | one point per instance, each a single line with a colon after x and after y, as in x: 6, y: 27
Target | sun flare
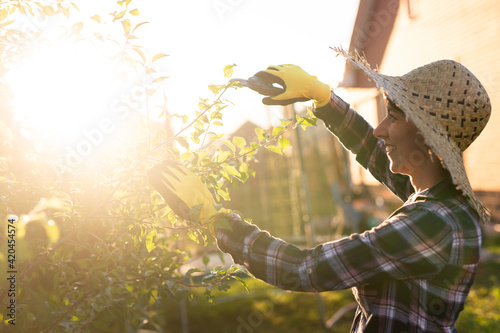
x: 58, y: 90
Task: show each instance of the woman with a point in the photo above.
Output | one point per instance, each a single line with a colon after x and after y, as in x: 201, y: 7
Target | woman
x: 413, y: 272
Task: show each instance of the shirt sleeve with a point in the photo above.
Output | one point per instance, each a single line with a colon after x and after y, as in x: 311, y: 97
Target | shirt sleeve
x: 414, y: 243
x: 356, y: 134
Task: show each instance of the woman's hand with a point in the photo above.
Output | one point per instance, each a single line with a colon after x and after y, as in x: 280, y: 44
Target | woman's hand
x: 297, y: 85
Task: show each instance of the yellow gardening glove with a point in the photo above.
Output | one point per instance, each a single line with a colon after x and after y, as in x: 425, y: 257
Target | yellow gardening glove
x: 297, y: 86
x: 183, y: 190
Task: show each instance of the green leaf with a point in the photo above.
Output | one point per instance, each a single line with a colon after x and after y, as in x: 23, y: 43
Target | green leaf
x: 218, y: 270
x: 135, y: 12
x: 161, y: 79
x: 228, y: 70
x: 225, y: 175
x: 214, y: 88
x: 166, y: 212
x: 216, y: 114
x: 229, y: 144
x: 277, y: 130
x: 150, y: 245
x: 244, y: 176
x: 307, y: 122
x: 191, y: 271
x: 274, y: 149
x: 205, y: 259
x: 311, y: 120
x: 194, y: 213
x: 126, y: 26
x: 153, y: 295
x: 239, y: 142
x: 223, y: 223
x: 47, y: 10
x: 193, y: 236
x: 249, y: 151
x: 243, y: 167
x: 139, y: 51
x: 186, y: 156
x: 231, y: 170
x: 138, y: 25
x: 3, y: 14
x: 260, y: 134
x: 224, y: 156
x: 159, y: 56
x: 224, y: 194
x: 216, y: 136
x: 77, y: 27
x: 118, y: 16
x: 96, y: 18
x: 182, y: 141
x: 284, y: 143
x: 240, y: 280
x: 311, y: 113
x: 286, y: 122
x: 203, y: 104
x: 195, y: 137
x: 6, y: 23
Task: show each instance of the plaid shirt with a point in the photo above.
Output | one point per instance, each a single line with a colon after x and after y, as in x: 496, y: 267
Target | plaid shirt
x: 412, y: 273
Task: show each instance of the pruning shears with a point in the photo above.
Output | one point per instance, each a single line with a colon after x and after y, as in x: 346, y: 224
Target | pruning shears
x: 260, y: 85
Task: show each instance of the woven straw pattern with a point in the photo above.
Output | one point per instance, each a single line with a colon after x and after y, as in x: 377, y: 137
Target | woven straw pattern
x: 448, y: 105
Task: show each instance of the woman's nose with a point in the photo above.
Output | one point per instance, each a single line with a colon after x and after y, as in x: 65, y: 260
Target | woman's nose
x: 381, y: 130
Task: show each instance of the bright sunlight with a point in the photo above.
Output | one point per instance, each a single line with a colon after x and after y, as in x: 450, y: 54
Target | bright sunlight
x: 58, y: 90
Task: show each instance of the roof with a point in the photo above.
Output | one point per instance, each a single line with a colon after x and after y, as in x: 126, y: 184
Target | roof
x: 372, y: 29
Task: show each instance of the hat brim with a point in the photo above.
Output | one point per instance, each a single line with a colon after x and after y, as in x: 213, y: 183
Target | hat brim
x: 440, y: 144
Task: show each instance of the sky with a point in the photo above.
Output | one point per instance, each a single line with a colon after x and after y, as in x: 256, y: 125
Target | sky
x: 203, y: 36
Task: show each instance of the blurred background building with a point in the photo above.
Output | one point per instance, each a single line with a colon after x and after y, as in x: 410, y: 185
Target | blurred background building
x: 309, y: 194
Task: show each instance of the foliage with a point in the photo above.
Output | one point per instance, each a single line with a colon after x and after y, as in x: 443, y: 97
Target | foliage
x: 480, y: 312
x: 265, y: 309
x: 268, y: 307
x: 97, y: 249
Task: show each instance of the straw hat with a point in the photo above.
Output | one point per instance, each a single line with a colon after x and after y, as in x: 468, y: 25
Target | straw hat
x: 448, y: 105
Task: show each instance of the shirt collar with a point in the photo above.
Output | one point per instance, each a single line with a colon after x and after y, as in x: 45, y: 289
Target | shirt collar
x: 442, y: 190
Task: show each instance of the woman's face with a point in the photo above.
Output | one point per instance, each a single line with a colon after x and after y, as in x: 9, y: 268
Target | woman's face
x: 404, y: 144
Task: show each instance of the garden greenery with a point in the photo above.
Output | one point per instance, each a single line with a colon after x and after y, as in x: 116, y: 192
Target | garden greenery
x: 96, y: 248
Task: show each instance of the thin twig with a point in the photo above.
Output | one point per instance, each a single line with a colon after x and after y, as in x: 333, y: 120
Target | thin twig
x: 208, y: 108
